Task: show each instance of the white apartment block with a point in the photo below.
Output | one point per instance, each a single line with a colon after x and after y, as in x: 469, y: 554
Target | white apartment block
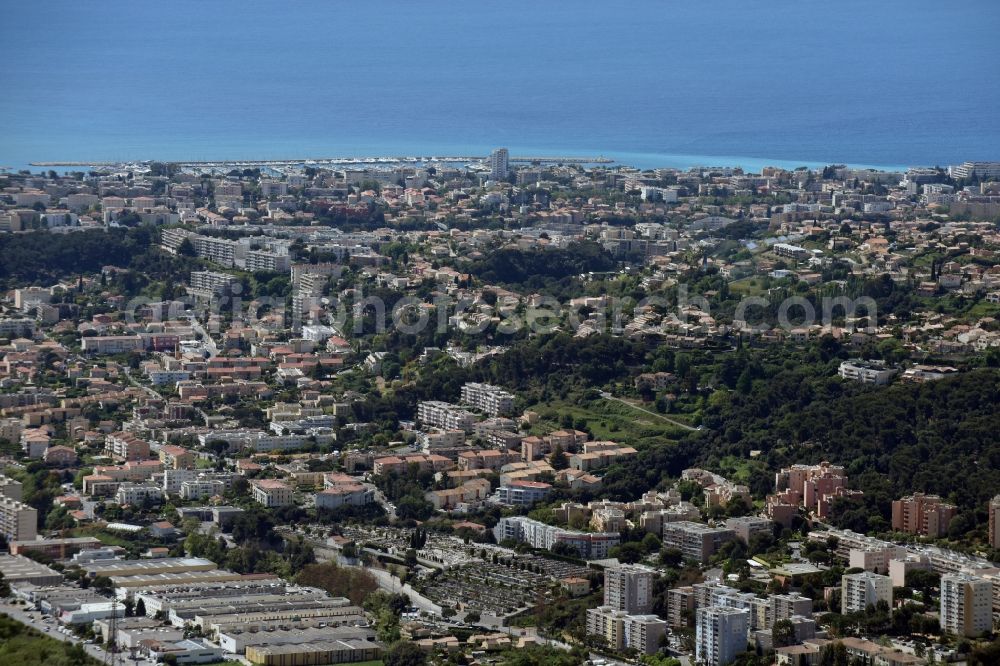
x: 201, y: 488
x: 445, y: 416
x: 228, y: 189
x: 866, y: 373
x: 269, y: 188
x: 758, y: 609
x: 860, y: 590
x: 696, y: 541
x: 787, y: 606
x: 112, y: 344
x: 629, y: 588
x: 10, y: 328
x: 165, y: 377
x: 441, y: 439
x: 265, y: 260
x: 966, y: 605
x: 982, y: 170
x: 499, y: 168
x: 30, y: 297
x: 589, y: 545
x: 210, y: 283
x: 487, y: 398
x: 18, y: 521
x: 137, y: 493
x: 217, y: 250
x: 171, y: 480
x: 721, y: 634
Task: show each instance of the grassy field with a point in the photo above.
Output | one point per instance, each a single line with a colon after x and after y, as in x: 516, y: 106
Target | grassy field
x: 983, y: 309
x: 748, y: 286
x: 607, y: 419
x: 24, y: 646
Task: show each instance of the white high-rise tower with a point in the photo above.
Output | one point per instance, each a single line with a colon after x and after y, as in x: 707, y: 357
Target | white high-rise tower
x: 498, y: 164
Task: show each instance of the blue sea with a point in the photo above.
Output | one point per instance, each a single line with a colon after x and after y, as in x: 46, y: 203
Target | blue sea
x: 647, y: 82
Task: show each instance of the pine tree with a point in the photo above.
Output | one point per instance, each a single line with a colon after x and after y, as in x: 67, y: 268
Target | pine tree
x: 558, y: 458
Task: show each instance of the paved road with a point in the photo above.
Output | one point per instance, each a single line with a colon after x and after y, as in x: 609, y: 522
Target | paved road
x: 48, y: 627
x: 390, y: 583
x: 136, y: 383
x: 389, y: 507
x: 206, y: 340
x: 608, y: 396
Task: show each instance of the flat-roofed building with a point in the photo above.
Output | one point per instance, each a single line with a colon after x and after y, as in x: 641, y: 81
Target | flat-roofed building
x: 924, y: 515
x: 696, y: 541
x: 11, y: 488
x: 17, y: 569
x: 681, y: 606
x: 445, y: 416
x: 721, y: 634
x: 994, y: 522
x: 624, y: 631
x: 319, y: 652
x: 487, y: 398
x: 588, y: 545
x: 170, y: 579
x: 236, y: 641
x: 981, y: 170
x: 966, y: 605
x: 209, y: 284
x: 866, y: 372
x: 747, y: 527
x: 629, y: 588
x: 56, y: 549
x: 201, y: 488
x: 860, y: 590
x: 146, y: 567
x: 786, y: 606
x: 18, y: 521
x: 112, y: 344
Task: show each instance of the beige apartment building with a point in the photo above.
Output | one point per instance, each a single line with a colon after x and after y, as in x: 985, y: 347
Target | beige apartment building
x: 271, y: 493
x: 18, y: 521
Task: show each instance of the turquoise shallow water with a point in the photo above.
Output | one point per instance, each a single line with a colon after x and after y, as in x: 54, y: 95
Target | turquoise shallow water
x: 649, y: 82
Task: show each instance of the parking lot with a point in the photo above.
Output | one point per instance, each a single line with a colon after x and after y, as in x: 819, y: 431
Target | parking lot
x: 501, y: 584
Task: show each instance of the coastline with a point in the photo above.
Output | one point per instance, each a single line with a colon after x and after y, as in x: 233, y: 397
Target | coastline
x: 640, y: 160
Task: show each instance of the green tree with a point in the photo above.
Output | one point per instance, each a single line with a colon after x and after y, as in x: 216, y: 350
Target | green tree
x: 629, y: 552
x: 103, y: 585
x: 404, y: 653
x: 783, y: 633
x: 558, y: 459
x: 651, y: 543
